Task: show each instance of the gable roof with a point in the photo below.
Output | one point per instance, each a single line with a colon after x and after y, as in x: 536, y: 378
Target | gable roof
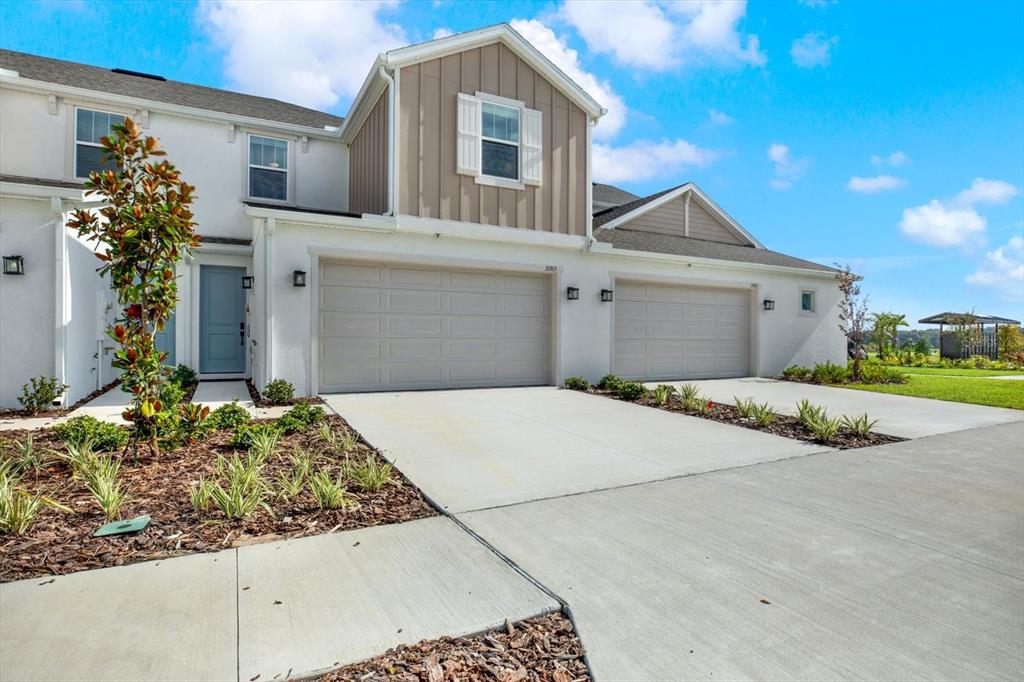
x: 158, y: 89
x: 619, y: 215
x: 953, y: 318
x: 610, y: 194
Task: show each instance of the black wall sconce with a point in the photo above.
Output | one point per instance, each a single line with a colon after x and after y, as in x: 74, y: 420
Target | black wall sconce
x: 572, y: 293
x: 14, y: 265
x: 247, y: 282
x: 769, y: 304
x: 299, y: 278
x: 606, y: 295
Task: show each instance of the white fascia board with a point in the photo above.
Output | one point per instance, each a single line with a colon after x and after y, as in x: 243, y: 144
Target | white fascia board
x: 434, y: 49
x: 363, y: 103
x: 605, y: 249
x: 22, y: 190
x: 371, y: 223
x: 492, y: 233
x: 29, y: 85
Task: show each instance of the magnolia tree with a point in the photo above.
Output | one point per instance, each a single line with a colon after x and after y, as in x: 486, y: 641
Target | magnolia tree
x: 143, y: 231
x: 853, y: 315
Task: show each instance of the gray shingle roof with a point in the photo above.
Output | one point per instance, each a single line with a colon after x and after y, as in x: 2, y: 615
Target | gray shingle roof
x: 609, y: 214
x: 42, y: 182
x: 172, y: 92
x: 635, y: 240
x: 610, y: 194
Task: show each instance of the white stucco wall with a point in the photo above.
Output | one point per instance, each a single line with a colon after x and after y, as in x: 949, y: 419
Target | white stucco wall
x: 583, y: 328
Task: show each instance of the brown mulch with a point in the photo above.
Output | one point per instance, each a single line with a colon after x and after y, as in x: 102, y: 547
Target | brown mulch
x: 783, y: 425
x: 62, y: 542
x: 260, y: 401
x: 60, y: 412
x: 544, y: 648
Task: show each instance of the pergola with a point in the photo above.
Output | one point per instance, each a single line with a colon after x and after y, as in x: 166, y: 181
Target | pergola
x: 943, y: 319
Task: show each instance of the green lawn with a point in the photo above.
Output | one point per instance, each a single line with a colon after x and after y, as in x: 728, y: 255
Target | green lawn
x: 994, y: 392
x: 959, y: 371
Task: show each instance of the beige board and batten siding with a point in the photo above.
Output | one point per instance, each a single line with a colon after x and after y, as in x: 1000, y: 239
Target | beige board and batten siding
x: 429, y: 186
x: 670, y: 218
x: 368, y: 162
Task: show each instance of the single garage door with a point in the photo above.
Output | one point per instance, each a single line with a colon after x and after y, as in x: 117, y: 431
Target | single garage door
x: 675, y: 332
x: 396, y: 327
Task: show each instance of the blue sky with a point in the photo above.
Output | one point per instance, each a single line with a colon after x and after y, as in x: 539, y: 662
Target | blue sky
x: 888, y: 136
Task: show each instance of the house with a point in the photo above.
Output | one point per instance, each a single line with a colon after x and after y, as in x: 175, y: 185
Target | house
x: 446, y: 233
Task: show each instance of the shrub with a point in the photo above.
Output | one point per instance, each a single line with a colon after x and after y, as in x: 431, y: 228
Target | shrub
x: 194, y: 422
x: 744, y: 408
x: 688, y: 392
x: 246, y: 490
x: 184, y: 376
x: 369, y: 475
x: 263, y: 443
x: 40, y: 394
x: 171, y: 394
x: 577, y: 384
x: 229, y: 416
x: 807, y: 412
x: 609, y: 382
x: 329, y: 493
x: 299, y: 417
x: 797, y: 373
x: 824, y: 428
x: 279, y: 392
x: 101, y: 480
x: 246, y: 434
x: 631, y: 391
x: 763, y: 415
x: 829, y: 373
x: 662, y: 393
x: 27, y: 457
x: 880, y: 374
x: 860, y: 426
x: 101, y: 435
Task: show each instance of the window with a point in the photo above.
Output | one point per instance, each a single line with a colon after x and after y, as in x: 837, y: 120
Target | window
x: 268, y: 168
x: 500, y: 141
x: 90, y: 126
x: 807, y: 301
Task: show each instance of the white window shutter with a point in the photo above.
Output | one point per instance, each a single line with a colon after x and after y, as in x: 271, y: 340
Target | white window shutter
x: 467, y: 154
x: 533, y: 147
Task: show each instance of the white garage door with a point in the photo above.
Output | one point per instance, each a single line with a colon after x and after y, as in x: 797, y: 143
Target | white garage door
x: 393, y: 327
x: 672, y: 332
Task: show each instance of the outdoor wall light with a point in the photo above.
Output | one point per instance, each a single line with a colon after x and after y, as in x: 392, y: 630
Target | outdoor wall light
x: 572, y: 293
x: 14, y: 265
x: 247, y: 282
x: 769, y: 304
x: 299, y: 278
x: 606, y: 295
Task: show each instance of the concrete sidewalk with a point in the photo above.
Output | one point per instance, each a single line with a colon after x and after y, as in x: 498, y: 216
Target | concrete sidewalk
x: 269, y: 611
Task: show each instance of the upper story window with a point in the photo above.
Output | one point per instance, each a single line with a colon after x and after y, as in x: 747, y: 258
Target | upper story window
x: 90, y: 126
x: 807, y: 302
x: 500, y: 141
x: 268, y: 168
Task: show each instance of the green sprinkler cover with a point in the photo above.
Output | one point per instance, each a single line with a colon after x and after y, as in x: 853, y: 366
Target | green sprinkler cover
x: 120, y: 527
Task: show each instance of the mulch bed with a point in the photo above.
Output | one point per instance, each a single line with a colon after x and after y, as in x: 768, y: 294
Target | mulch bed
x: 59, y: 412
x: 783, y: 425
x: 260, y: 401
x: 544, y: 648
x: 62, y: 542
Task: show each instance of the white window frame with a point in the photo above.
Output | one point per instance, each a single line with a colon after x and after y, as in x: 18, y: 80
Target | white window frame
x: 813, y: 312
x: 74, y: 136
x: 249, y: 165
x: 493, y: 180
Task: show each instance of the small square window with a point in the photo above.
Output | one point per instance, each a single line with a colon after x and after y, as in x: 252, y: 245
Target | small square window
x: 807, y: 301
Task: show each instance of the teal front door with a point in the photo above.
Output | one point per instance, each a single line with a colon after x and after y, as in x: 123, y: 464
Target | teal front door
x: 221, y: 320
x: 165, y: 341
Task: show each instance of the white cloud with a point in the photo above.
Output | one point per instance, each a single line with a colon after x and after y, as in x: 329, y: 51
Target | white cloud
x: 955, y: 222
x: 643, y: 160
x: 879, y: 183
x: 660, y: 35
x: 815, y: 4
x: 567, y: 59
x: 984, y: 191
x: 315, y: 54
x: 719, y: 118
x: 787, y: 168
x: 442, y: 33
x: 814, y: 49
x: 895, y: 159
x: 1003, y: 269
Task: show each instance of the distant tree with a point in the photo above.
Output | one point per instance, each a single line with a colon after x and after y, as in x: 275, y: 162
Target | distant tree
x: 923, y: 346
x: 1010, y: 340
x: 853, y: 313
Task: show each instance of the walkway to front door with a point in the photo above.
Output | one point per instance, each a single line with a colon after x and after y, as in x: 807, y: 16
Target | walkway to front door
x: 221, y: 320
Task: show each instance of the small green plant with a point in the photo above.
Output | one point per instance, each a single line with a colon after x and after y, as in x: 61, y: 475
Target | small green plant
x: 201, y: 496
x: 171, y: 395
x: 184, y: 376
x: 229, y: 416
x: 701, y: 406
x: 193, y: 422
x: 662, y: 393
x: 631, y: 391
x: 806, y: 411
x: 824, y: 428
x: 329, y: 493
x: 860, y: 426
x: 744, y: 407
x: 263, y: 442
x: 19, y: 508
x: 40, y: 394
x: 279, y: 392
x: 829, y: 373
x: 300, y: 417
x: 577, y: 384
x: 369, y: 475
x: 688, y: 392
x: 80, y: 457
x: 245, y: 434
x: 27, y: 457
x: 797, y: 373
x: 246, y: 490
x: 880, y: 374
x: 609, y: 382
x: 101, y: 480
x: 763, y: 415
x: 103, y: 436
x: 290, y: 484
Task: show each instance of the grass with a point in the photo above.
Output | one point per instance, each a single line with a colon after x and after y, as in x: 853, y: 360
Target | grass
x: 960, y: 371
x: 954, y: 389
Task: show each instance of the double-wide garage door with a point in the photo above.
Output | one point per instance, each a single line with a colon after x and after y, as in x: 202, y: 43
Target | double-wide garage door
x: 393, y: 327
x: 673, y: 332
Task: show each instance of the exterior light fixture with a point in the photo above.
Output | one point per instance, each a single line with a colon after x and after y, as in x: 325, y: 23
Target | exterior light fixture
x: 606, y: 295
x: 572, y: 293
x: 14, y: 265
x: 769, y: 304
x: 247, y: 282
x: 299, y: 278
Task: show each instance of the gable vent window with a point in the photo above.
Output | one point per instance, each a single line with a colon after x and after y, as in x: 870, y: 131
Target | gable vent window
x: 90, y: 127
x: 499, y: 141
x: 268, y: 168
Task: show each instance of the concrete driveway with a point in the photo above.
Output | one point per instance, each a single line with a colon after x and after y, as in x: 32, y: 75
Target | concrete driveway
x: 902, y: 561
x: 897, y: 415
x: 473, y: 449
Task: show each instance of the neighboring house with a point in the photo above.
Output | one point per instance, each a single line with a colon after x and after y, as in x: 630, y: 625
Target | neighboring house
x: 447, y: 233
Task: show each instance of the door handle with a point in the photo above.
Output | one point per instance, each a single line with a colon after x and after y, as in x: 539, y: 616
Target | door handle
x: 241, y: 333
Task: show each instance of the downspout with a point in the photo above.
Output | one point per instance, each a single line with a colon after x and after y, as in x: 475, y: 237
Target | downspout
x: 392, y: 147
x: 60, y: 294
x: 591, y: 122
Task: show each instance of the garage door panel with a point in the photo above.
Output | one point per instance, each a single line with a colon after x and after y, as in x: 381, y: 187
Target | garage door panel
x: 414, y: 325
x: 350, y: 300
x: 536, y: 306
x: 479, y: 326
x: 414, y: 277
x: 413, y: 375
x: 521, y: 327
x: 525, y: 284
x: 472, y: 351
x: 350, y: 273
x: 351, y: 377
x: 409, y: 301
x: 351, y: 324
x: 414, y: 350
x: 487, y: 281
x: 678, y: 332
x: 472, y: 304
x: 350, y: 350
